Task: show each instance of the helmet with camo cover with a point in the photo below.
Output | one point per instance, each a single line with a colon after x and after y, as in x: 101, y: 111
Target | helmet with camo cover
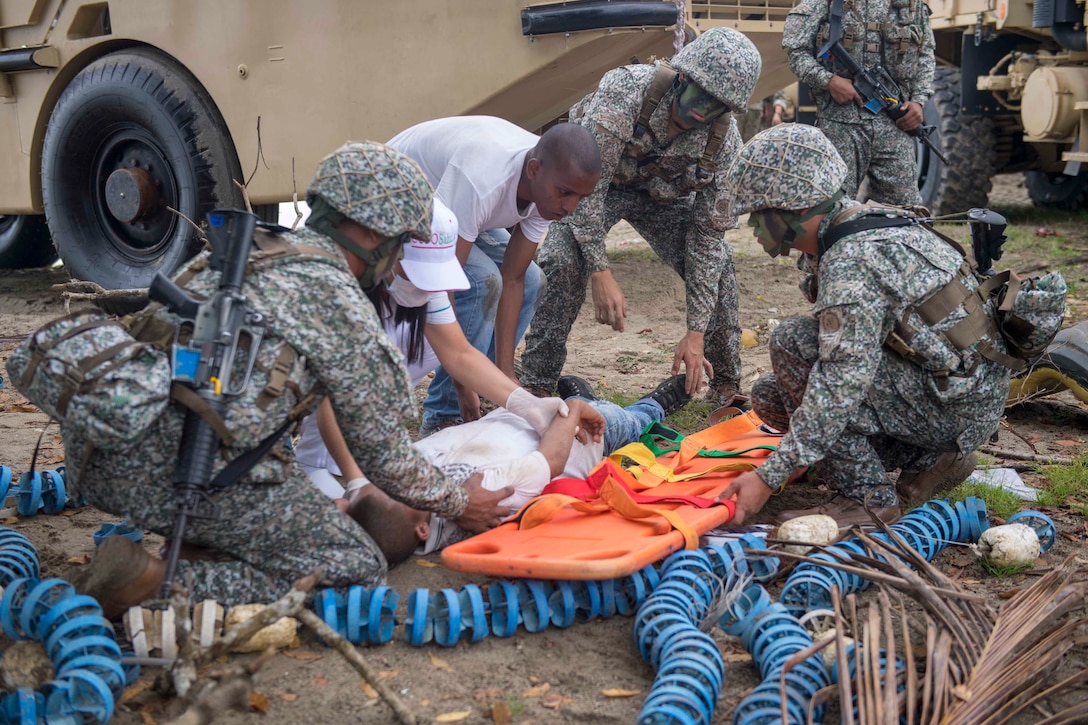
x: 725, y: 64
x: 790, y: 167
x: 376, y: 186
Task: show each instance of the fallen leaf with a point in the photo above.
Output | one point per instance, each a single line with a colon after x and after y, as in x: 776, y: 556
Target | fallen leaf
x: 645, y: 331
x: 388, y: 674
x: 258, y: 702
x: 500, y: 713
x: 24, y: 408
x: 69, y: 512
x: 748, y: 338
x: 487, y: 695
x: 616, y: 692
x: 1009, y: 594
x: 145, y: 715
x: 737, y: 657
x: 135, y: 689
x: 9, y: 521
x: 537, y: 691
x: 319, y: 680
x: 1067, y: 443
x: 302, y: 655
x: 285, y: 696
x: 426, y: 564
x: 554, y: 701
x: 369, y: 691
x: 81, y: 559
x: 441, y: 664
x: 453, y: 716
x: 534, y: 679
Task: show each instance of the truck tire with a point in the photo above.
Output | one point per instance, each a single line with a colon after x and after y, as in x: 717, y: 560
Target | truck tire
x: 24, y: 242
x: 1057, y: 191
x: 967, y: 141
x: 133, y: 134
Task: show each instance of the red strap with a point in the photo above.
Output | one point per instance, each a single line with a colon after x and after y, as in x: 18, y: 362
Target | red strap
x: 586, y: 489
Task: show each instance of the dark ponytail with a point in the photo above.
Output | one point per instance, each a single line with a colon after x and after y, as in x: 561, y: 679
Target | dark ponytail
x: 415, y: 317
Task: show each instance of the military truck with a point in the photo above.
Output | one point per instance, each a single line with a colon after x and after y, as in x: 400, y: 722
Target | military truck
x: 1011, y: 95
x: 123, y: 121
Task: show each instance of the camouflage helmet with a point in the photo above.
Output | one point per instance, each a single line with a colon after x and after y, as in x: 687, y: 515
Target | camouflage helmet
x: 725, y: 64
x: 790, y: 167
x: 376, y: 186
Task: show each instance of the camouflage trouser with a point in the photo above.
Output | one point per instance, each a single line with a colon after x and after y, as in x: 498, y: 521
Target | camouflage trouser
x: 275, y: 532
x: 878, y: 148
x: 665, y: 228
x: 886, y: 432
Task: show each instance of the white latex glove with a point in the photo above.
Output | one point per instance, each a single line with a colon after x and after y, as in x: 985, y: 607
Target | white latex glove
x: 537, y: 412
x: 354, y: 485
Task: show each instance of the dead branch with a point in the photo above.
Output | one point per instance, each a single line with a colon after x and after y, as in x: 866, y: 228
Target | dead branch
x: 288, y: 605
x: 294, y: 196
x: 1047, y: 265
x: 245, y: 194
x: 1017, y: 456
x: 356, y: 660
x: 183, y: 671
x: 232, y: 693
x: 196, y: 227
x: 1018, y: 467
x: 78, y: 289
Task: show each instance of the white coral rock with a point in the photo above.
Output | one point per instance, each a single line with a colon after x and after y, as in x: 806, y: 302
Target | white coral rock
x: 1009, y: 545
x: 815, y: 529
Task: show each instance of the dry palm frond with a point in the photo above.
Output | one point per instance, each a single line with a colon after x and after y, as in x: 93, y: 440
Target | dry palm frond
x: 981, y: 665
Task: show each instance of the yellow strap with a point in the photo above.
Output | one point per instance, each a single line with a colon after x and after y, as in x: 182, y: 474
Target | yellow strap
x: 643, y: 456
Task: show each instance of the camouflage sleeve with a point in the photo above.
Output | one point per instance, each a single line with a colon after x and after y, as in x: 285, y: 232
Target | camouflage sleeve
x: 799, y: 42
x: 921, y: 85
x: 336, y: 327
x: 851, y: 337
x: 712, y: 215
x: 610, y: 115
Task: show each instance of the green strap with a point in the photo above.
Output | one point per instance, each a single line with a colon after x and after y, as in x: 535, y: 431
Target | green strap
x: 658, y: 433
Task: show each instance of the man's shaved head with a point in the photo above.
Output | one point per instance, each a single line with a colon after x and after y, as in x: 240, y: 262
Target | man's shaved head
x: 570, y: 143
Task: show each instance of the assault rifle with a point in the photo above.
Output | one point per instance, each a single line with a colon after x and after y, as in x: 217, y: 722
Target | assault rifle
x: 877, y: 90
x: 221, y: 326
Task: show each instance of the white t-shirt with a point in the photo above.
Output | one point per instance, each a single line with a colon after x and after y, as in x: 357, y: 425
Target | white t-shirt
x: 474, y: 164
x: 504, y: 447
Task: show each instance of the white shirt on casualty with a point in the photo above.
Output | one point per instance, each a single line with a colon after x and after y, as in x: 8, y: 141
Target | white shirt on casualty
x: 504, y: 447
x: 474, y: 164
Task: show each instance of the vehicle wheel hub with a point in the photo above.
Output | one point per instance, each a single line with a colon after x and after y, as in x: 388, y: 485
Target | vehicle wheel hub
x: 130, y: 194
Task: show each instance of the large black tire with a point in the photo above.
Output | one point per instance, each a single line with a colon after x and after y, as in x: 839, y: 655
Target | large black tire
x: 968, y: 142
x: 1057, y: 191
x: 133, y: 134
x: 25, y: 243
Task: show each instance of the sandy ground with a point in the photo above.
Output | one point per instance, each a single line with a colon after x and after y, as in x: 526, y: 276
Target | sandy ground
x: 558, y: 675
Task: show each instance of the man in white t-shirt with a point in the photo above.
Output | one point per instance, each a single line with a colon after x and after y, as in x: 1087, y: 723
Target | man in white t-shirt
x: 496, y: 176
x: 503, y: 450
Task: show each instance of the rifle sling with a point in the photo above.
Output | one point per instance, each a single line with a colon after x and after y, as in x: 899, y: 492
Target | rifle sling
x: 241, y: 465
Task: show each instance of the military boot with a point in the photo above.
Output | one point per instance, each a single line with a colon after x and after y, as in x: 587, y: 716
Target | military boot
x: 671, y: 394
x: 846, y: 511
x: 570, y: 386
x: 949, y: 471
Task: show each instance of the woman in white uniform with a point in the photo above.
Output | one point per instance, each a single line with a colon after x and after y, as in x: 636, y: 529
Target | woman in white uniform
x: 418, y: 314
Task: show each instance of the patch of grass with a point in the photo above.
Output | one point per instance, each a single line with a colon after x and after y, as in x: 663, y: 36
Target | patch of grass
x: 1067, y: 486
x: 690, y: 418
x: 999, y: 502
x: 1002, y: 571
x: 635, y: 253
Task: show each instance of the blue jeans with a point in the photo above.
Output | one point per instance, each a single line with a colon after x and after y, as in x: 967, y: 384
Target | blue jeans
x: 476, y: 309
x: 625, y: 425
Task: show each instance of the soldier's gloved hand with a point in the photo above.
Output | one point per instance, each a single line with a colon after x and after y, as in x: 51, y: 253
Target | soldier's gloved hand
x: 537, y: 412
x: 484, y: 511
x: 608, y: 300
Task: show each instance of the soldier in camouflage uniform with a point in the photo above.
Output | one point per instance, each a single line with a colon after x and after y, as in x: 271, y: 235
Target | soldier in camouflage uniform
x: 654, y: 178
x: 849, y: 403
x: 895, y: 35
x: 325, y: 336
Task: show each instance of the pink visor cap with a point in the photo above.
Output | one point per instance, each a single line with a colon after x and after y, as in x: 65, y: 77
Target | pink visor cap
x: 431, y: 264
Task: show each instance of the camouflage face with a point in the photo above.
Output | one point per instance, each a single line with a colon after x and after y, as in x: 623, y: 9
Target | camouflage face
x: 789, y: 167
x: 724, y: 63
x: 376, y: 186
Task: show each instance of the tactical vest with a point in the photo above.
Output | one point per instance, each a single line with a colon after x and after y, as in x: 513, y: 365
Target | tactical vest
x: 1026, y: 314
x: 269, y: 249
